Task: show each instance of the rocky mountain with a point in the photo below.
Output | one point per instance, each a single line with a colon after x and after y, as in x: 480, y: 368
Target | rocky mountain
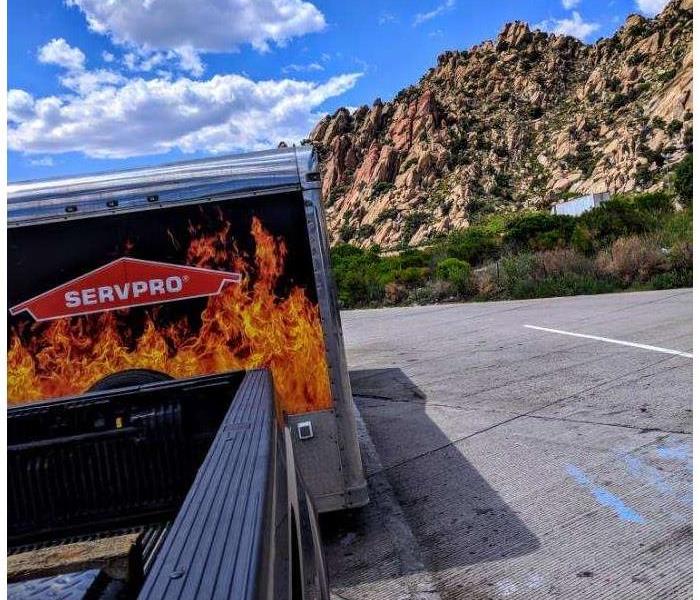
x: 518, y: 122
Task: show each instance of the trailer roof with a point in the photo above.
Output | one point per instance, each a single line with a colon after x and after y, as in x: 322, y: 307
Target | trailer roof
x: 253, y: 173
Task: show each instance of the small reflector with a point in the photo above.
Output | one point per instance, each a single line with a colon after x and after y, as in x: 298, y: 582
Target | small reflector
x: 304, y: 430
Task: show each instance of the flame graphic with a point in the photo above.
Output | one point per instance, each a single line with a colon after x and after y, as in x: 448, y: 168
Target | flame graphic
x: 245, y: 326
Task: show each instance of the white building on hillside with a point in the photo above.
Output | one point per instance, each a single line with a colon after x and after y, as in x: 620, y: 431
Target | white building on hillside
x: 578, y: 206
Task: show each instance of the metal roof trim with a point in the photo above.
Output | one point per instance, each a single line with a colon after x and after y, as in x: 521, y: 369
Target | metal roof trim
x: 102, y: 193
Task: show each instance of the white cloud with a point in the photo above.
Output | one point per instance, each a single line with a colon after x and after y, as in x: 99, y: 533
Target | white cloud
x: 309, y: 68
x: 651, y: 7
x: 437, y: 11
x: 84, y: 82
x: 201, y: 25
x: 44, y: 161
x: 108, y: 57
x: 189, y: 60
x: 387, y: 17
x: 20, y: 106
x: 569, y: 4
x: 138, y: 117
x: 574, y: 26
x: 145, y: 61
x: 61, y: 53
x: 76, y: 77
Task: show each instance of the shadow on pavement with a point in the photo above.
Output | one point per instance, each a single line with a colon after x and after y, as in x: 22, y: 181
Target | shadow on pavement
x: 453, y: 517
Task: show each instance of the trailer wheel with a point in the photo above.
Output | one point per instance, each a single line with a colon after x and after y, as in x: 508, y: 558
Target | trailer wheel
x: 128, y: 378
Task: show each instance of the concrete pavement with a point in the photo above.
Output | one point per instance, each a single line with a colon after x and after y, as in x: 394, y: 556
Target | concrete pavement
x: 509, y: 462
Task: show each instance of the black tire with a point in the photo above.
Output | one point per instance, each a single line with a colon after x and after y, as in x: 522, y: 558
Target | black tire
x: 128, y: 378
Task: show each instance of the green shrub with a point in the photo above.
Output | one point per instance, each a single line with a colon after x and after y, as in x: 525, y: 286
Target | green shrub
x: 539, y: 231
x: 638, y: 29
x: 412, y: 276
x: 365, y: 231
x: 582, y: 239
x: 381, y: 187
x: 683, y: 180
x: 681, y: 256
x: 516, y: 268
x: 674, y: 127
x: 616, y: 218
x: 347, y: 232
x: 412, y: 224
x: 473, y: 245
x: 413, y: 258
x: 335, y: 194
x: 495, y: 224
x: 618, y: 101
x: 356, y: 275
x: 637, y: 240
x: 688, y: 138
x: 672, y: 279
x: 535, y: 111
x: 676, y: 227
x: 388, y: 214
x: 667, y: 75
x: 455, y: 271
x: 570, y: 284
x: 654, y: 203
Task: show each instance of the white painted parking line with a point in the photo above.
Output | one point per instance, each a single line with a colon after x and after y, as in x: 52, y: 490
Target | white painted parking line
x: 611, y: 341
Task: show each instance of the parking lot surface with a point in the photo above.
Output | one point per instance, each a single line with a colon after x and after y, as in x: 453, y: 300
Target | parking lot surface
x: 508, y: 457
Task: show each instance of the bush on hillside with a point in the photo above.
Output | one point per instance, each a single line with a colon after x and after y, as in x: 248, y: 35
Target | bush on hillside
x: 631, y: 259
x: 683, y: 180
x: 632, y: 240
x: 486, y: 282
x: 455, y: 271
x: 676, y: 227
x: 681, y: 256
x: 472, y: 245
x: 538, y: 231
x: 653, y: 204
x: 619, y: 217
x: 562, y: 261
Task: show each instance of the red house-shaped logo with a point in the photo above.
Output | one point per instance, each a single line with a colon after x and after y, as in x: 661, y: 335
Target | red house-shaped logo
x: 124, y: 283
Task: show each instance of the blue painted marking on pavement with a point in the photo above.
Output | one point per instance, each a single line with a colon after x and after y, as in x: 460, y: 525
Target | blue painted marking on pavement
x: 648, y: 473
x: 680, y: 452
x: 605, y: 497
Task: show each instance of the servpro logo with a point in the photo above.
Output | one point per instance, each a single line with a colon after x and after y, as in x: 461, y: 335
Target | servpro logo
x: 124, y: 283
x: 108, y: 294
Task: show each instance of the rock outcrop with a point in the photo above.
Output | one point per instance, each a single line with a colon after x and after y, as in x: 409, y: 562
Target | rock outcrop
x: 512, y: 123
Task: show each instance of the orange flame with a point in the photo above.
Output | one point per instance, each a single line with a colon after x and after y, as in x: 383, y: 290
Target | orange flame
x: 246, y: 326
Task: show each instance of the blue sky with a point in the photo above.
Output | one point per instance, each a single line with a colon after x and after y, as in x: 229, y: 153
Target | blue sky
x: 97, y: 85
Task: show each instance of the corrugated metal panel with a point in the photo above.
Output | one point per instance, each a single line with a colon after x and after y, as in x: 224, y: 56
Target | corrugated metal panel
x: 213, y: 549
x: 87, y: 195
